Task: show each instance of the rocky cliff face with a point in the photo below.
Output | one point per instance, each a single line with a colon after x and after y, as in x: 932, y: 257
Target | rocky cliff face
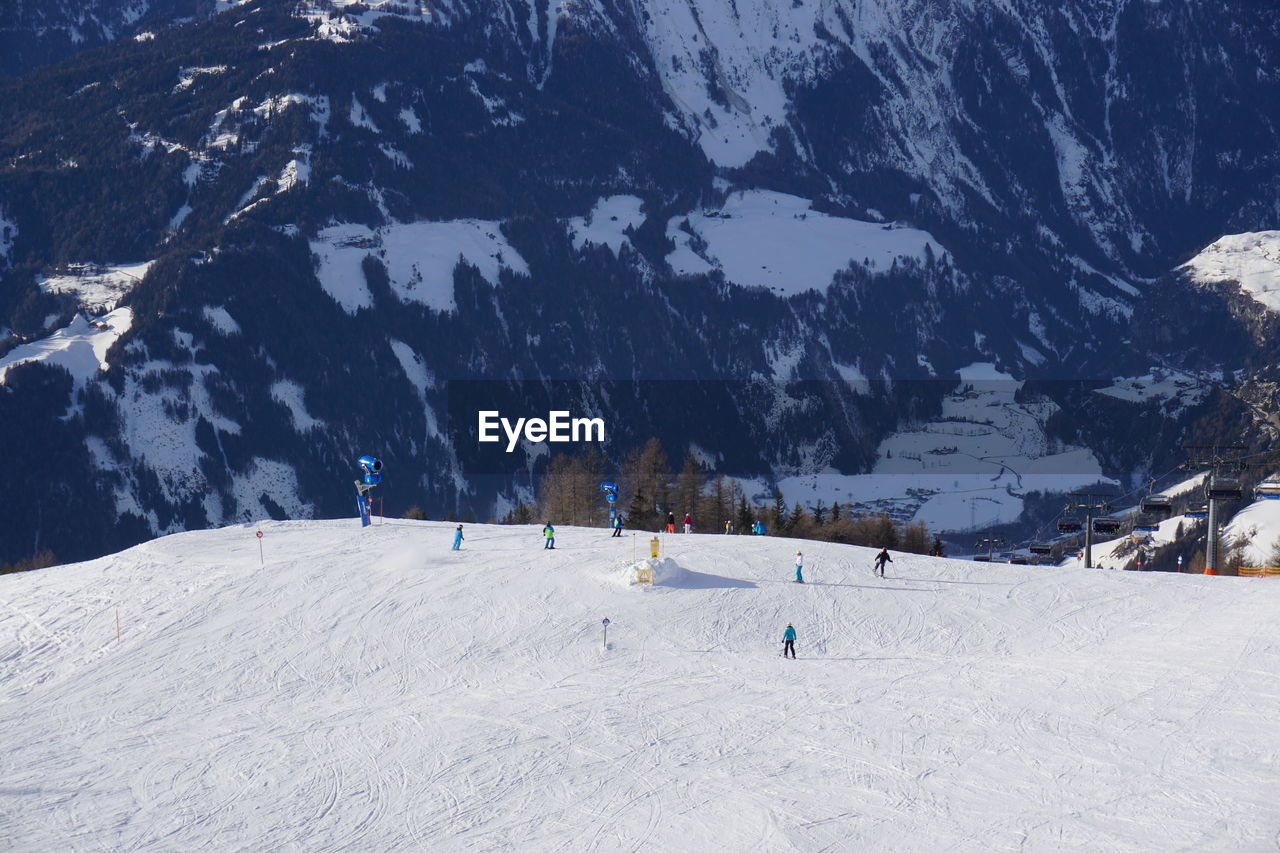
x: 310, y: 221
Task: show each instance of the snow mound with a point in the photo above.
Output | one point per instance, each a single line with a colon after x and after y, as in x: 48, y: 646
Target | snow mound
x: 664, y: 571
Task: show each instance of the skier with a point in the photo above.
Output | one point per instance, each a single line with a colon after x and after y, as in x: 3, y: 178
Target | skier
x: 617, y: 526
x: 549, y: 534
x: 882, y: 558
x: 457, y: 538
x: 728, y: 527
x: 671, y: 522
x: 799, y: 567
x: 688, y: 522
x: 789, y: 641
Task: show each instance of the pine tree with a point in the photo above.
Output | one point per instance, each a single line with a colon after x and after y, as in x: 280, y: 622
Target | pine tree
x: 915, y: 538
x: 777, y: 512
x: 688, y: 489
x: 746, y: 516
x: 646, y: 475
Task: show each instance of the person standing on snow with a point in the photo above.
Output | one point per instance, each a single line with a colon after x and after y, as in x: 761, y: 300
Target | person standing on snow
x: 728, y: 528
x: 457, y: 538
x: 688, y: 522
x: 549, y: 534
x: 799, y: 567
x: 671, y: 522
x: 617, y: 526
x: 882, y: 558
x: 789, y: 641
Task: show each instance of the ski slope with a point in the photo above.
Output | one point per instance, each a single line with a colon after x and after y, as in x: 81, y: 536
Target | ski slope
x: 373, y: 690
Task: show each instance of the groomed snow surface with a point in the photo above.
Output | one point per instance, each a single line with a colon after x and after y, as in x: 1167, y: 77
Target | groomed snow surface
x: 373, y: 690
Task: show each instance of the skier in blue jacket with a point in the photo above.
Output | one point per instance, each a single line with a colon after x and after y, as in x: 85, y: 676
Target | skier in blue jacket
x: 549, y: 534
x: 789, y: 642
x: 457, y: 538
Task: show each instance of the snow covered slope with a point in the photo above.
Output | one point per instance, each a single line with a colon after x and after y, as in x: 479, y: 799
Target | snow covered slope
x: 80, y: 347
x: 374, y: 690
x: 1250, y: 260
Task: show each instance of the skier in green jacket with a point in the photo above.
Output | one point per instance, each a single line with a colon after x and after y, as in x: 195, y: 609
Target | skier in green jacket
x: 549, y: 534
x: 789, y: 642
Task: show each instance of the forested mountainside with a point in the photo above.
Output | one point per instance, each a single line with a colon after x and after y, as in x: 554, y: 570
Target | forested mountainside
x: 239, y: 248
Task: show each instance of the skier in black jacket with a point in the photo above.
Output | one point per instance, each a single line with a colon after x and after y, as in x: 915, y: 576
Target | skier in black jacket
x: 882, y: 558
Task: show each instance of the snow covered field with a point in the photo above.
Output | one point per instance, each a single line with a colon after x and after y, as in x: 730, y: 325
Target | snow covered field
x: 776, y: 241
x: 967, y: 470
x: 372, y: 690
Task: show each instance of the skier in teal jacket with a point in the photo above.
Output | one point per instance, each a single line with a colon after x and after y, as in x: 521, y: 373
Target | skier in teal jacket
x: 789, y: 642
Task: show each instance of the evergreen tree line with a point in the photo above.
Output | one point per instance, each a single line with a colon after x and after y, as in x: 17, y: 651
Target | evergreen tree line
x: 569, y: 493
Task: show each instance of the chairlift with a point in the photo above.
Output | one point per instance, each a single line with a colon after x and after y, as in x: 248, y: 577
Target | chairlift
x: 1019, y: 561
x: 1268, y: 489
x: 1109, y: 526
x: 982, y: 558
x: 1146, y: 522
x: 1160, y: 507
x: 1223, y: 487
x: 1041, y: 548
x: 1070, y: 522
x: 1198, y: 511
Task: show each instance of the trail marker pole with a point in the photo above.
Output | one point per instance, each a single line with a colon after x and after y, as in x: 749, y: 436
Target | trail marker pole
x: 261, y: 560
x: 380, y: 516
x: 605, y: 622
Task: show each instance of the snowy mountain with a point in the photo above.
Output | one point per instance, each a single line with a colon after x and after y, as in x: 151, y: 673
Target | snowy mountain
x: 374, y: 690
x: 776, y: 234
x: 37, y: 33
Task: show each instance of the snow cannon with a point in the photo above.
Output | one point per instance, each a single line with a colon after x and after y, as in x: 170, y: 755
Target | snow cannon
x: 371, y: 468
x: 611, y: 496
x: 370, y: 476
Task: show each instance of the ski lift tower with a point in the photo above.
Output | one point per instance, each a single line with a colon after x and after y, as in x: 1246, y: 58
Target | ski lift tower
x: 1225, y: 463
x: 1088, y: 503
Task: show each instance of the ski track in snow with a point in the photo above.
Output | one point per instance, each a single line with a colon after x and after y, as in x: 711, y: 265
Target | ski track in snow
x: 374, y: 690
